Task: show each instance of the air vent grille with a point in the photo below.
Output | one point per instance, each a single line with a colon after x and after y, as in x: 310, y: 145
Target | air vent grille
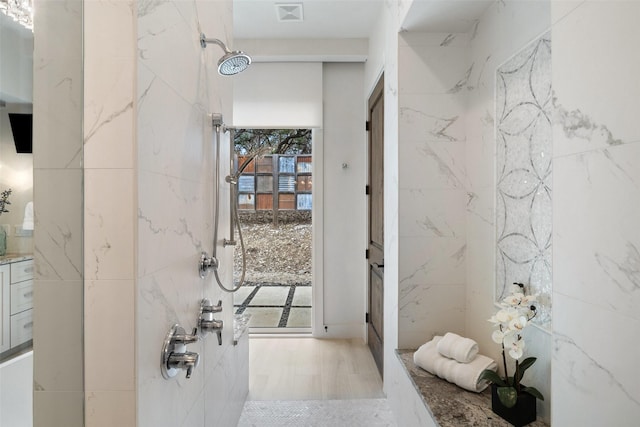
x: 289, y: 12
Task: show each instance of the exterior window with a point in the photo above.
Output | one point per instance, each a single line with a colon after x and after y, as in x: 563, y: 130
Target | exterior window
x: 304, y: 202
x: 292, y: 176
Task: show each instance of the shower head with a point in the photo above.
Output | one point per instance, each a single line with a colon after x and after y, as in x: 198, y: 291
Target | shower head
x: 232, y: 62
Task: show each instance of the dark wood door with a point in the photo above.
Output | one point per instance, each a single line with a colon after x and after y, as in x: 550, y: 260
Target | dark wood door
x: 375, y: 326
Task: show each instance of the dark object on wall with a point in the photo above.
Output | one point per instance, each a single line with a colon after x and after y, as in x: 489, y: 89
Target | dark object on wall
x: 22, y: 129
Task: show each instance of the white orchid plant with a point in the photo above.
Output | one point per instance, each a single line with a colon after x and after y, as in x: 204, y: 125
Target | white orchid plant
x: 516, y: 312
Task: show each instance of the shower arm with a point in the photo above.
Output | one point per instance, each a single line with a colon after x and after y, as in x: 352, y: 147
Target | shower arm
x: 204, y: 40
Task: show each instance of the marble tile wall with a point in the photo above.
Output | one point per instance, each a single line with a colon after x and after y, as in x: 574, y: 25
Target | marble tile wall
x: 109, y: 215
x: 433, y: 75
x: 503, y: 30
x: 596, y: 210
x: 57, y: 157
x: 177, y: 87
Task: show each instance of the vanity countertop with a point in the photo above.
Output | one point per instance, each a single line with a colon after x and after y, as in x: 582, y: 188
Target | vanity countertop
x: 450, y: 405
x: 10, y: 257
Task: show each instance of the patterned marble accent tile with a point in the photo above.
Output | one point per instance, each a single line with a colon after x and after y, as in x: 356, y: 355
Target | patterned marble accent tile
x: 317, y: 413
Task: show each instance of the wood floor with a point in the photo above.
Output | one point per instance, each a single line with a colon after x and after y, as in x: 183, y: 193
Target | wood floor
x: 309, y: 368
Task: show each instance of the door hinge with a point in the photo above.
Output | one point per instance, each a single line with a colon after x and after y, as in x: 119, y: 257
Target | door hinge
x: 366, y: 190
x: 366, y: 253
x: 366, y: 317
x: 367, y: 125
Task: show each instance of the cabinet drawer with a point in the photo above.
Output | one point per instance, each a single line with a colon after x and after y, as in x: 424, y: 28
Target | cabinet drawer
x: 21, y: 296
x: 21, y: 271
x: 21, y: 327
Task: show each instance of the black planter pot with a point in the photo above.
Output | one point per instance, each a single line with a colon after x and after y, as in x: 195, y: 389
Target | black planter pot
x: 523, y: 413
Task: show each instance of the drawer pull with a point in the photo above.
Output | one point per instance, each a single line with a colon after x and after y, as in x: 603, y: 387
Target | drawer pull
x: 28, y: 325
x: 28, y: 269
x: 28, y: 294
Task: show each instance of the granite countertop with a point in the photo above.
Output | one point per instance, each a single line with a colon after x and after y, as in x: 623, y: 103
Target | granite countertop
x: 240, y: 326
x: 450, y: 405
x: 9, y: 258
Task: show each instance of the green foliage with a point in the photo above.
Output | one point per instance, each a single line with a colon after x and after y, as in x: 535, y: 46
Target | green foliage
x: 272, y: 141
x: 491, y: 376
x: 508, y: 396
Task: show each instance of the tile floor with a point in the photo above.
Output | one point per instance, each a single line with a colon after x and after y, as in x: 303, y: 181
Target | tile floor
x: 273, y: 305
x: 317, y: 413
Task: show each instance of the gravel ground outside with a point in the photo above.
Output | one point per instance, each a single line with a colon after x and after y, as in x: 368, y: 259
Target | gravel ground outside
x: 275, y: 254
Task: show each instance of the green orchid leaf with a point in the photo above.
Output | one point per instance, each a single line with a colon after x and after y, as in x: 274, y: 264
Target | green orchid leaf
x: 533, y: 392
x: 491, y: 376
x: 508, y: 396
x: 524, y: 365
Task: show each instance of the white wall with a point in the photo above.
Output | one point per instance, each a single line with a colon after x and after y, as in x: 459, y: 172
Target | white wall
x: 596, y: 261
x: 344, y: 205
x: 278, y: 95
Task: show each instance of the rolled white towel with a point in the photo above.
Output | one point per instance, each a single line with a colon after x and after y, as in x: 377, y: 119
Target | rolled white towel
x: 427, y: 355
x: 464, y: 375
x: 453, y: 346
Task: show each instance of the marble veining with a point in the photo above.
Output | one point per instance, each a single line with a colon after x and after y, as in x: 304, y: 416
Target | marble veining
x: 450, y: 405
x: 576, y: 124
x: 524, y: 177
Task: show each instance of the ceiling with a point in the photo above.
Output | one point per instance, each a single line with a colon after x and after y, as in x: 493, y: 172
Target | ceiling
x: 327, y: 19
x: 258, y: 19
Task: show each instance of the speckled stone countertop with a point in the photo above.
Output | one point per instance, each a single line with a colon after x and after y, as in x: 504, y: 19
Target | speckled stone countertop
x: 450, y: 405
x: 9, y: 258
x: 240, y: 326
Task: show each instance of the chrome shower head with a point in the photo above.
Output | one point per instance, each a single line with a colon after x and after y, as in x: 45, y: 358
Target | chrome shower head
x: 232, y: 62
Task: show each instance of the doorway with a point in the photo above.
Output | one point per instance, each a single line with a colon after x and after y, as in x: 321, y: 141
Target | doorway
x: 275, y: 203
x: 375, y: 243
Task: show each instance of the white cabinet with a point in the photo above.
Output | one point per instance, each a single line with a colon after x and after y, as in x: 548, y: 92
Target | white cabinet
x: 16, y: 304
x: 5, y: 307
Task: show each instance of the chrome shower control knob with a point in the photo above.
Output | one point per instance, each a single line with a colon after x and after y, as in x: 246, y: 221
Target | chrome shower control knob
x: 174, y: 356
x: 206, y: 322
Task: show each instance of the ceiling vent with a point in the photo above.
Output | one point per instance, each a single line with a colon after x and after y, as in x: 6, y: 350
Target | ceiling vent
x: 289, y: 12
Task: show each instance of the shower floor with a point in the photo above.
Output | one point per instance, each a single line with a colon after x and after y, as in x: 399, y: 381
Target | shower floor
x: 274, y: 305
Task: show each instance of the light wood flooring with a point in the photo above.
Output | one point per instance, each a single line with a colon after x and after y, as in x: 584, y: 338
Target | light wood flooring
x: 311, y: 369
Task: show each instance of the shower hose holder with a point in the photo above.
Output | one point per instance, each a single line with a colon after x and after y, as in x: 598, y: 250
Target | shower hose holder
x: 206, y: 263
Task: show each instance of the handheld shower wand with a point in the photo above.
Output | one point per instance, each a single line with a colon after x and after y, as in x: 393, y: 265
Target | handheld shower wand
x: 212, y: 262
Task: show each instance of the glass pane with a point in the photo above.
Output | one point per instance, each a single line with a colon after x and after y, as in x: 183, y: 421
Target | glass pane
x: 265, y: 165
x: 246, y: 201
x: 287, y: 164
x: 286, y: 201
x: 286, y: 184
x: 265, y: 184
x: 304, y: 164
x: 304, y: 202
x: 246, y: 184
x: 304, y: 183
x: 265, y: 202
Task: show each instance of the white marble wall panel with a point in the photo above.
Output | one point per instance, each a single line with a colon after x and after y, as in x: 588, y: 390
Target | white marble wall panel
x: 58, y: 242
x: 596, y: 262
x: 433, y: 73
x: 58, y: 189
x: 405, y: 402
x: 177, y: 88
x: 589, y: 370
x: 503, y: 30
x: 433, y: 164
x: 109, y: 223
